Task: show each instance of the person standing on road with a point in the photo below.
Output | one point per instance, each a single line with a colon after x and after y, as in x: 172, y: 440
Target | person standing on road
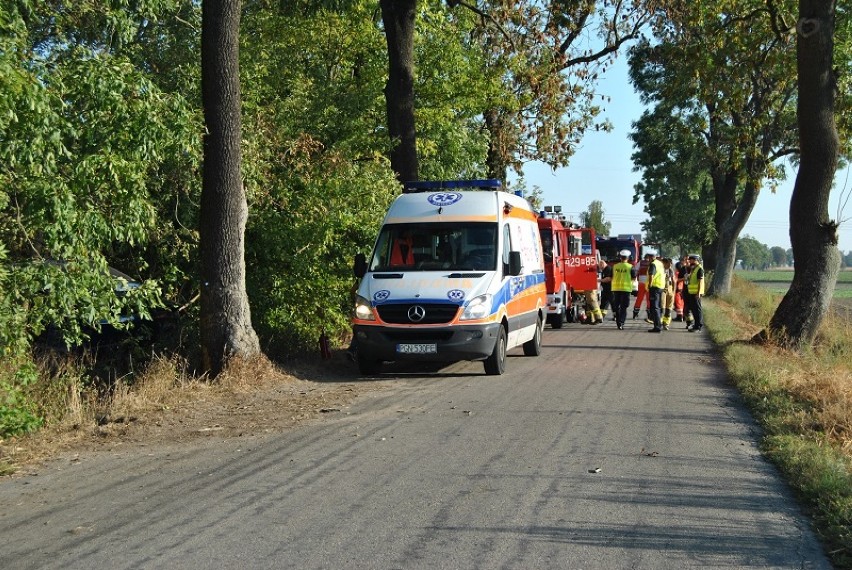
x: 694, y: 292
x: 668, y: 298
x: 642, y: 293
x: 680, y: 279
x: 656, y: 283
x: 623, y: 274
x: 606, y: 287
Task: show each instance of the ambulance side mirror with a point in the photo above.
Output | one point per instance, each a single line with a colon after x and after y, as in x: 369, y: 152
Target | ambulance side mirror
x: 514, y: 263
x: 360, y: 267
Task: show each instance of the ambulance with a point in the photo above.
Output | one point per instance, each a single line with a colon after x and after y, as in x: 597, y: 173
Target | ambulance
x: 457, y: 273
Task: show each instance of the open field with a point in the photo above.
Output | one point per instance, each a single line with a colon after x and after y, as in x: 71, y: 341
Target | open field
x: 779, y: 280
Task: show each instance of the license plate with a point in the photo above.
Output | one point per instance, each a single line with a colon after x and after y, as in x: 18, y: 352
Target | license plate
x: 417, y: 348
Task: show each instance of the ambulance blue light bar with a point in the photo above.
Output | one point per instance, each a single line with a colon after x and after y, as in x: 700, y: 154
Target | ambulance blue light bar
x: 433, y: 185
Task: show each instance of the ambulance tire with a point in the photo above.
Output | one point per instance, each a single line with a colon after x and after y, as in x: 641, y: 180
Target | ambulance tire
x: 533, y: 347
x: 368, y: 366
x: 495, y: 365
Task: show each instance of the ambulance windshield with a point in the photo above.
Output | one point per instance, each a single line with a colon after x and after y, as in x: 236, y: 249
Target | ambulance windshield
x: 436, y: 247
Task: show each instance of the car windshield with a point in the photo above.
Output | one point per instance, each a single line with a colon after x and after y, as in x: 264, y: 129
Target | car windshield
x: 436, y: 247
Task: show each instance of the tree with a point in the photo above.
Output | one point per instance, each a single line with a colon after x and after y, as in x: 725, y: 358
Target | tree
x: 544, y: 59
x: 676, y: 186
x: 752, y: 253
x: 226, y: 328
x: 779, y: 256
x: 89, y: 139
x: 398, y: 17
x: 813, y: 235
x: 594, y: 218
x: 722, y: 69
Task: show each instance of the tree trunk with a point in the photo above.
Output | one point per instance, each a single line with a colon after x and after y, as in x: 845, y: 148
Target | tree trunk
x: 812, y: 234
x: 226, y: 328
x: 495, y: 162
x: 729, y: 228
x: 398, y: 18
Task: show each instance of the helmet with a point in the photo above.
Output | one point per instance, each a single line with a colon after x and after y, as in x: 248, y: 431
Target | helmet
x: 694, y: 256
x: 624, y: 253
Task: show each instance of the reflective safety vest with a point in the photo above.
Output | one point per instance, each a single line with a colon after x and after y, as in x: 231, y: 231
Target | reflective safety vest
x: 621, y: 279
x: 658, y: 279
x: 694, y: 284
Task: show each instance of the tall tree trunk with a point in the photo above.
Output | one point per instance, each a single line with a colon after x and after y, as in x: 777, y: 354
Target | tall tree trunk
x: 398, y: 18
x: 495, y: 161
x: 728, y: 228
x: 226, y: 328
x: 813, y: 234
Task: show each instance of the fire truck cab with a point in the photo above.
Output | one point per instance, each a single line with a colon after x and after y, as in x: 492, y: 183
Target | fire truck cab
x: 570, y: 267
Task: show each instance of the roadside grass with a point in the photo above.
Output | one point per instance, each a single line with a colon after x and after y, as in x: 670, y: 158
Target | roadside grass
x: 73, y: 405
x: 803, y: 400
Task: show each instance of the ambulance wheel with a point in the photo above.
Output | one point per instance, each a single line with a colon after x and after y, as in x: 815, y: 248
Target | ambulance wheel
x: 495, y: 365
x: 533, y: 347
x: 368, y: 366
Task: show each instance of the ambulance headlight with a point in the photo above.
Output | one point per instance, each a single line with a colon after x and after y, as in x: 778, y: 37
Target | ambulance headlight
x: 478, y: 308
x: 363, y: 310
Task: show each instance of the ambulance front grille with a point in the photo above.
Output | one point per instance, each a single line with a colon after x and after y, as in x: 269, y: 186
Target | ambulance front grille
x: 408, y: 313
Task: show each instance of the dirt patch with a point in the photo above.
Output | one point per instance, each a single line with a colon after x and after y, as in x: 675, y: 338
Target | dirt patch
x: 247, y: 401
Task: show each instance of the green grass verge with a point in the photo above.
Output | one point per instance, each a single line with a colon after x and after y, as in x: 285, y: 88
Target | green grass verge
x: 815, y: 467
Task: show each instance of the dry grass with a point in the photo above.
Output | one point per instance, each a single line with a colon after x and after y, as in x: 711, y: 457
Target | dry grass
x: 166, y: 403
x: 804, y: 402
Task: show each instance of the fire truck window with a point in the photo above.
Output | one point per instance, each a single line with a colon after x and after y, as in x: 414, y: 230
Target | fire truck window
x: 547, y: 244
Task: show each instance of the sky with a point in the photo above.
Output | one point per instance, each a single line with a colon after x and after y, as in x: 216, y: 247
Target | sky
x: 602, y: 170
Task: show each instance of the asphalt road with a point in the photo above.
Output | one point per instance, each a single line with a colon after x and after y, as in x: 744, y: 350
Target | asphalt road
x: 614, y: 449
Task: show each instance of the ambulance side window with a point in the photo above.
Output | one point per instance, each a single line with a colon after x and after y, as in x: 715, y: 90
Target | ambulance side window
x: 507, y: 247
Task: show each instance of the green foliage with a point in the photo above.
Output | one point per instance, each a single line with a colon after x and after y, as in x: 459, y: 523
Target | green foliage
x: 16, y: 410
x: 301, y: 248
x: 87, y: 143
x: 753, y: 254
x: 722, y: 114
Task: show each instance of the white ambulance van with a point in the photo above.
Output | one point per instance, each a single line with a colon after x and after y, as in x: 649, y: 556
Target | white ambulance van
x: 457, y: 273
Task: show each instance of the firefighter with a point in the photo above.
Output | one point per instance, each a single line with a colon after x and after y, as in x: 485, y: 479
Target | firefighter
x: 668, y: 299
x: 606, y: 286
x: 642, y: 293
x: 655, y: 284
x: 680, y: 279
x: 623, y: 274
x: 694, y: 291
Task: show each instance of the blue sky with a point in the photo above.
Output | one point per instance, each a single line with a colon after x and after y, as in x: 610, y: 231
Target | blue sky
x: 602, y: 170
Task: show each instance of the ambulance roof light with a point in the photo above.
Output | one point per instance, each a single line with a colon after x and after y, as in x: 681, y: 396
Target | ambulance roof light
x: 433, y: 185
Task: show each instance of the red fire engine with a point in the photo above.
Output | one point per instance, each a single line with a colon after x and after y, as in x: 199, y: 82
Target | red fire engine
x: 570, y: 266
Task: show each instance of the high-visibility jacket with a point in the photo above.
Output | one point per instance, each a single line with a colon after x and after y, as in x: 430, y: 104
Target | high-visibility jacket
x: 694, y: 284
x: 658, y: 279
x: 622, y: 278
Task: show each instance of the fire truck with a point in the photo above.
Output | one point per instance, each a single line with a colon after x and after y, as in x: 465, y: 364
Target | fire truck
x: 570, y: 266
x: 609, y: 247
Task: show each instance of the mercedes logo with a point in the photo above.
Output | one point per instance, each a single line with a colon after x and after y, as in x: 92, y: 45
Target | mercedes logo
x: 416, y: 313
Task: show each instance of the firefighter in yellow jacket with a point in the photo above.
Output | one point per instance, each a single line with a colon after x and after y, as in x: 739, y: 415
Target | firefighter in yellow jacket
x: 694, y: 292
x: 655, y: 285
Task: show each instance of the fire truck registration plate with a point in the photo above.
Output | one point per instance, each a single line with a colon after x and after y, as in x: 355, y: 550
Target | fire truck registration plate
x: 417, y: 348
